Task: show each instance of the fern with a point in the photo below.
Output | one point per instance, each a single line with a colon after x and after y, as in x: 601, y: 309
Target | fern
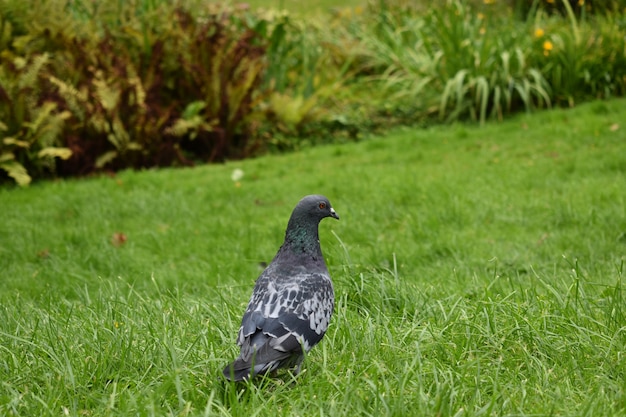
x: 108, y: 86
x: 191, y: 123
x: 32, y: 127
x: 73, y: 98
x: 32, y: 70
x: 106, y: 94
x: 14, y: 169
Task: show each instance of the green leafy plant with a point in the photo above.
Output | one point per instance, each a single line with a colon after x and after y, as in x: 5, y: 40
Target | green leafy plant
x: 29, y: 128
x: 222, y: 63
x: 156, y: 91
x: 302, y: 79
x: 145, y: 84
x: 581, y: 60
x: 484, y: 73
x: 448, y: 58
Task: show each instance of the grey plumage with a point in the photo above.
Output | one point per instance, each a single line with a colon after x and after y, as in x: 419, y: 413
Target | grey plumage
x: 292, y: 300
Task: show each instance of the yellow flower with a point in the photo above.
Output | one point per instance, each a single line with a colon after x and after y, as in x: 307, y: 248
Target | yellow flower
x: 581, y: 2
x: 489, y: 1
x: 539, y: 33
x: 550, y: 1
x: 480, y: 16
x: 482, y: 30
x: 547, y: 47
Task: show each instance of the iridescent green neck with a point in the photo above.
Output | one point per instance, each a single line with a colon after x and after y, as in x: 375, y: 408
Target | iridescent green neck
x: 302, y: 236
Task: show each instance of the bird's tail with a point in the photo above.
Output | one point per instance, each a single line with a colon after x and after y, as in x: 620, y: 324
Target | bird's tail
x: 235, y: 372
x: 269, y: 357
x: 259, y: 363
x: 242, y: 370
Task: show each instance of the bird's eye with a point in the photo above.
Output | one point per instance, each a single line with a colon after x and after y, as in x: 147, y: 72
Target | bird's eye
x: 322, y: 205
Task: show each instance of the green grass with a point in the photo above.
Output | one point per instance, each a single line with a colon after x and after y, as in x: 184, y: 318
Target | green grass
x: 304, y: 7
x: 478, y: 271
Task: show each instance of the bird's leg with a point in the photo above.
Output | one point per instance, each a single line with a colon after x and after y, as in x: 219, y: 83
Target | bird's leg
x: 298, y: 365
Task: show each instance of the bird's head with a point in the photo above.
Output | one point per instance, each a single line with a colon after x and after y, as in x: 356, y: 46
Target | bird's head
x: 315, y: 207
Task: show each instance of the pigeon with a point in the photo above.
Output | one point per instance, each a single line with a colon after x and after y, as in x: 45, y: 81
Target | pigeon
x: 292, y: 301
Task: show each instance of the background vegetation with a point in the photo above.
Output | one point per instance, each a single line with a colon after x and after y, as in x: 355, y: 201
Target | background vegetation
x: 99, y: 86
x: 478, y: 271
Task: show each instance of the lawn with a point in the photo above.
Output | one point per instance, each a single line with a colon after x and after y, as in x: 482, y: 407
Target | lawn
x: 478, y: 271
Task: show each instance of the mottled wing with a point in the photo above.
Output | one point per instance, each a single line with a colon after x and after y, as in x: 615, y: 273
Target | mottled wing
x: 300, y: 306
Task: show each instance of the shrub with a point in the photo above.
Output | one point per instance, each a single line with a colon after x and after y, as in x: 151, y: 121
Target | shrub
x: 161, y: 88
x: 475, y: 60
x: 187, y: 95
x: 581, y: 60
x: 30, y: 124
x: 88, y: 86
x: 467, y: 64
x: 483, y: 64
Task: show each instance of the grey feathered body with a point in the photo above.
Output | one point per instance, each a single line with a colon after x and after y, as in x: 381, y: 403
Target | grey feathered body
x: 290, y: 307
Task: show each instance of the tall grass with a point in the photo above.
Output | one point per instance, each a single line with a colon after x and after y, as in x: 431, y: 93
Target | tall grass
x: 584, y: 59
x: 462, y: 61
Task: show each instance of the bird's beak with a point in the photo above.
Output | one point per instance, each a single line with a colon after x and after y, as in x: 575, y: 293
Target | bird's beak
x: 333, y: 213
